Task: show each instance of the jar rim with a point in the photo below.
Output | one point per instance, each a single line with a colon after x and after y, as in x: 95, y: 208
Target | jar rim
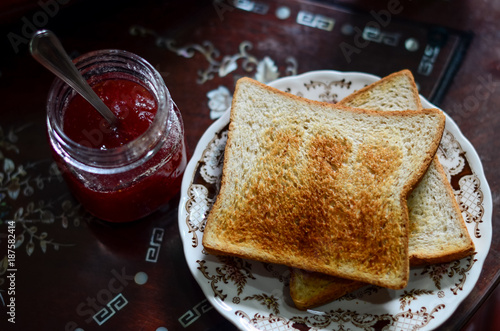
x: 127, y: 155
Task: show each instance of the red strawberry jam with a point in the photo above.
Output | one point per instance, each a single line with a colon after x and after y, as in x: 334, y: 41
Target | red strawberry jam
x: 133, y: 105
x: 122, y: 193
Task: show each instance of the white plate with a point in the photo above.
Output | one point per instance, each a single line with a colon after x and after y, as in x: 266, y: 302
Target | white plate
x: 255, y: 295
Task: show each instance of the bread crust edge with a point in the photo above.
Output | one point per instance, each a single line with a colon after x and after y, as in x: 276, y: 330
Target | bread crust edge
x: 215, y: 249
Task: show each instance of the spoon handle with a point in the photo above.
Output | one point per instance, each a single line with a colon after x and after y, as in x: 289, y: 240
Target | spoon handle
x: 46, y: 48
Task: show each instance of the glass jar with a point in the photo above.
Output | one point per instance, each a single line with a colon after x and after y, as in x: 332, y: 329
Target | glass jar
x: 127, y: 182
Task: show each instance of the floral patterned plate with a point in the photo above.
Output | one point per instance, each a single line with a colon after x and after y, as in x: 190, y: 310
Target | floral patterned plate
x: 255, y: 295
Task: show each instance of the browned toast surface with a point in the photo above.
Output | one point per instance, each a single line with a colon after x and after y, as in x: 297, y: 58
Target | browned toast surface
x: 318, y: 186
x: 437, y: 230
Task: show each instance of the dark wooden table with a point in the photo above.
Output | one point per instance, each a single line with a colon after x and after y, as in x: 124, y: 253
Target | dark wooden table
x: 69, y: 265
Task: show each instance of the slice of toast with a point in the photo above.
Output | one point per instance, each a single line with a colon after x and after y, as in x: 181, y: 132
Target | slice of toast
x: 318, y: 186
x: 437, y: 230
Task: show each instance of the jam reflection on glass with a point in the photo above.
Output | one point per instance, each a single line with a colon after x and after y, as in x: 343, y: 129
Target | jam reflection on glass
x: 135, y: 193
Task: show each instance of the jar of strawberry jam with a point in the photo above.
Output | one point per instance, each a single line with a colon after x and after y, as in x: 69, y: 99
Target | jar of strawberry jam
x: 123, y: 172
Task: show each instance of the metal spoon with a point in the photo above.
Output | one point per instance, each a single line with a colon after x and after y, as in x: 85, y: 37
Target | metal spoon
x: 46, y: 48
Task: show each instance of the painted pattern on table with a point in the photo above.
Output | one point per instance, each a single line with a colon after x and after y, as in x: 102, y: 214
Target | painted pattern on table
x: 24, y: 203
x: 226, y: 274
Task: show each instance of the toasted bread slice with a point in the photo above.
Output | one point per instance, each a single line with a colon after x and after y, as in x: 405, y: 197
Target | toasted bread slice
x: 318, y: 186
x: 437, y: 230
x: 396, y: 91
x: 310, y: 289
